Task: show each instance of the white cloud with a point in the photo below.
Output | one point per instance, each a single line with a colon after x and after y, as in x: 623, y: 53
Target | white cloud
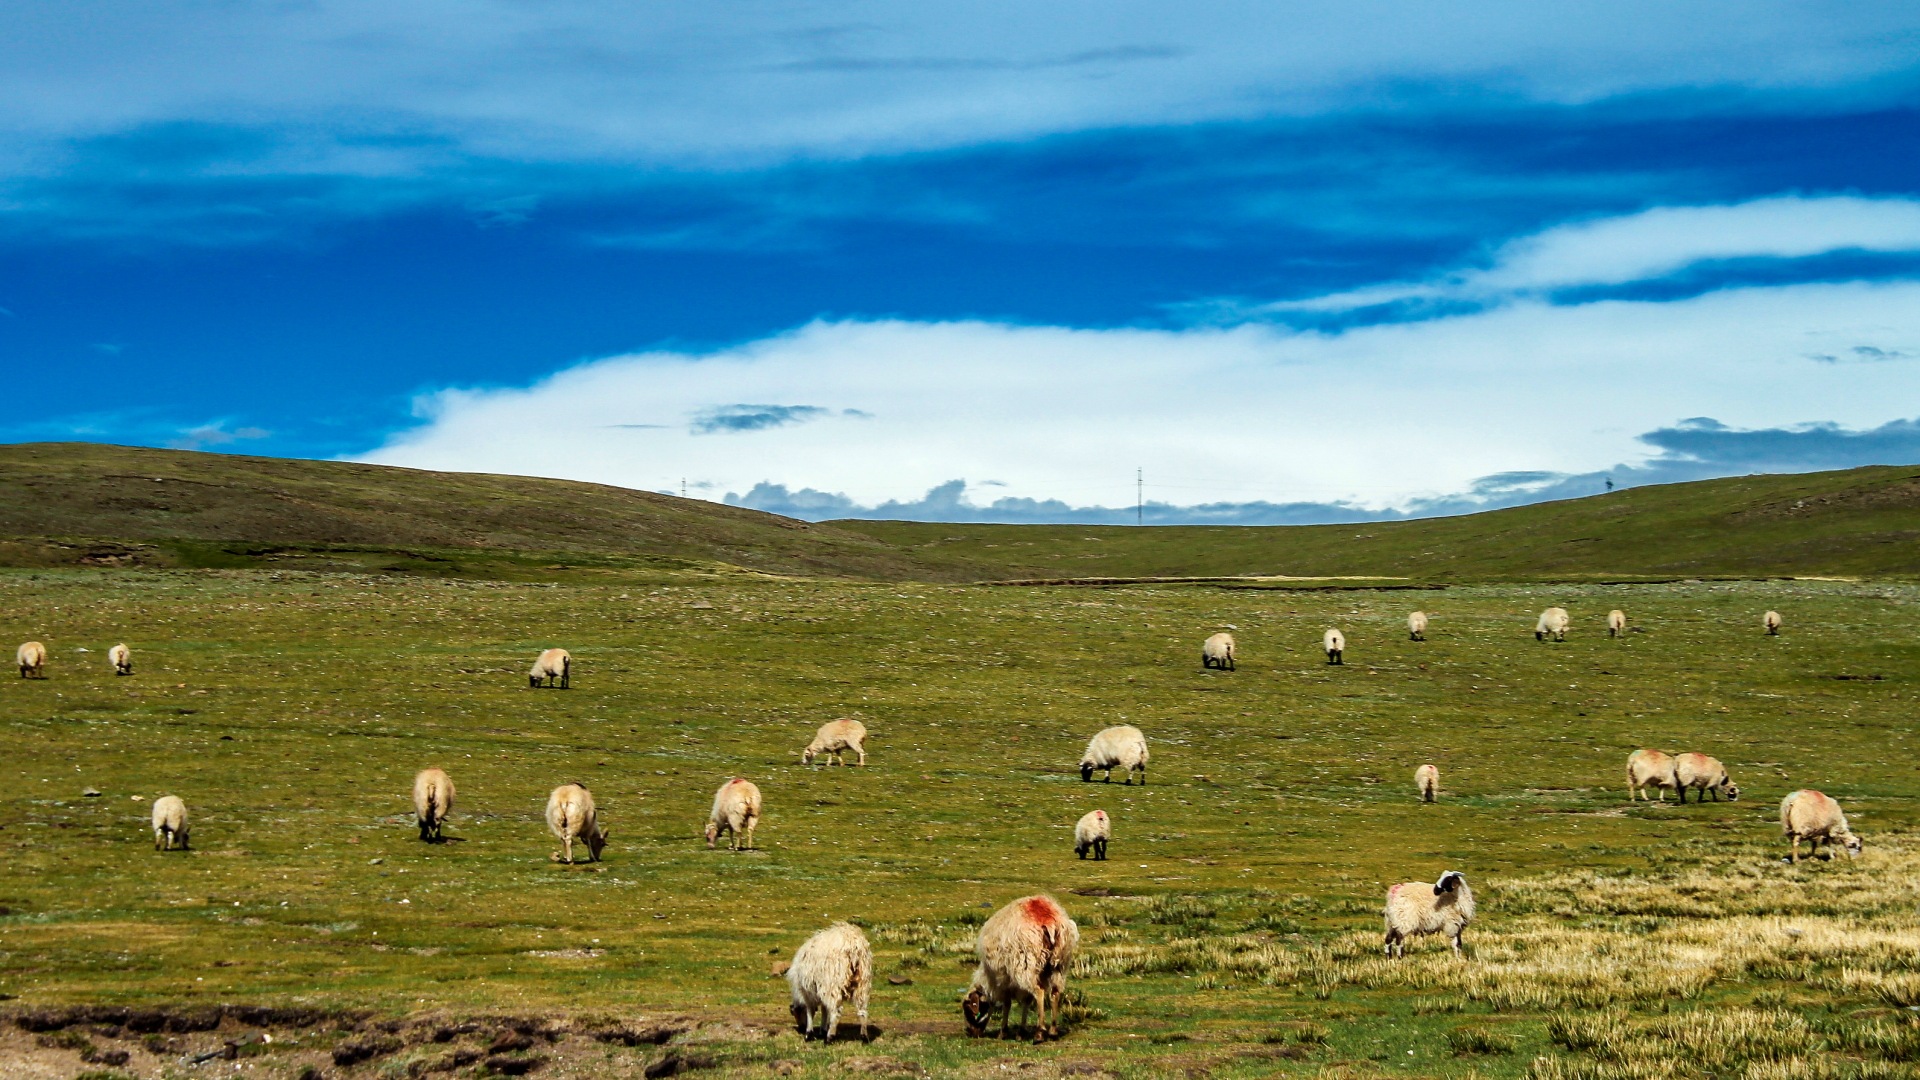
x: 1379, y: 415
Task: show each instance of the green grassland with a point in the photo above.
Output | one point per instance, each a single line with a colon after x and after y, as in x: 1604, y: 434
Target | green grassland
x: 1233, y: 933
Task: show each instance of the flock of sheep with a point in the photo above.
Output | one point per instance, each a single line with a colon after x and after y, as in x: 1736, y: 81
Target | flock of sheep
x: 1027, y: 946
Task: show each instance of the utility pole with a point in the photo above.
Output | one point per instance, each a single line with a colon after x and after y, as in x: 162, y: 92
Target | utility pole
x: 1139, y: 497
x: 683, y: 487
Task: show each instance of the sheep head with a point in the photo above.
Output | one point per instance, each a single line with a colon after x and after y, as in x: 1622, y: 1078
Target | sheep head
x: 977, y: 1011
x: 1852, y: 844
x: 596, y: 841
x: 1086, y: 771
x: 713, y: 832
x: 1732, y: 791
x: 1449, y: 882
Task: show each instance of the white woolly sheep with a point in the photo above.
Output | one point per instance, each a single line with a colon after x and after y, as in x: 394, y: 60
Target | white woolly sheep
x: 1025, y: 951
x: 1118, y: 747
x: 33, y: 660
x: 1417, y: 626
x: 555, y: 666
x: 1809, y: 815
x: 432, y: 802
x: 1616, y: 622
x: 1771, y: 620
x: 1553, y: 621
x: 169, y: 823
x: 1705, y: 773
x: 121, y: 658
x: 834, y: 739
x: 1415, y: 909
x: 1091, y: 834
x: 833, y: 967
x: 1217, y: 652
x: 1427, y: 779
x: 572, y: 816
x: 736, y: 810
x: 1651, y: 769
x: 1335, y: 643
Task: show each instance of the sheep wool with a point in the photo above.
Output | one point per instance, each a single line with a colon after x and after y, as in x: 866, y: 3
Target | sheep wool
x: 1025, y: 951
x: 33, y: 660
x: 1092, y: 834
x: 1706, y: 774
x: 1417, y: 626
x: 169, y: 823
x: 1427, y: 779
x: 1217, y: 652
x: 1415, y: 909
x: 1119, y: 747
x: 1771, y: 620
x: 1552, y: 623
x: 834, y: 738
x: 1335, y: 643
x: 736, y: 811
x: 1812, y: 816
x: 1651, y: 769
x: 432, y: 802
x: 554, y: 668
x: 121, y: 658
x: 1616, y: 622
x: 572, y: 816
x: 832, y: 968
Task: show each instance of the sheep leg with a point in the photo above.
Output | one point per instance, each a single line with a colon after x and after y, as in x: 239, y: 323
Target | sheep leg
x: 833, y: 1021
x: 567, y: 843
x: 1796, y: 849
x: 1006, y: 1016
x: 1040, y: 1028
x: 1100, y: 851
x: 862, y: 751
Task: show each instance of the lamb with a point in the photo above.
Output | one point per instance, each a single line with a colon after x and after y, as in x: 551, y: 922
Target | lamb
x: 833, y: 967
x: 1417, y: 626
x: 1335, y: 643
x: 1217, y: 652
x: 1092, y: 834
x: 432, y: 801
x: 1771, y: 620
x: 1415, y: 908
x: 1552, y: 621
x: 121, y: 658
x: 169, y: 823
x: 736, y: 809
x: 1025, y: 951
x: 33, y: 660
x: 1705, y: 773
x: 554, y: 665
x: 1616, y: 622
x: 1120, y: 747
x: 572, y: 816
x: 1427, y: 779
x: 834, y: 738
x: 1651, y: 769
x: 1809, y: 815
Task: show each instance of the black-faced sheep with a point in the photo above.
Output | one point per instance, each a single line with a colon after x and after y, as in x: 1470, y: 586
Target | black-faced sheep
x: 1119, y: 747
x: 572, y: 816
x: 1415, y: 909
x: 432, y: 802
x: 33, y: 660
x: 1552, y: 623
x: 1025, y: 951
x: 1091, y: 834
x: 1335, y: 643
x: 1651, y: 769
x: 121, y: 658
x: 1427, y: 779
x: 169, y: 823
x: 1809, y: 815
x: 1217, y: 652
x: 834, y: 739
x: 555, y: 667
x: 833, y: 967
x: 736, y: 811
x: 1417, y: 626
x: 1706, y: 774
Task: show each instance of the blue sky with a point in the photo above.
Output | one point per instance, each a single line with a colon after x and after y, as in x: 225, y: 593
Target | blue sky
x: 974, y: 260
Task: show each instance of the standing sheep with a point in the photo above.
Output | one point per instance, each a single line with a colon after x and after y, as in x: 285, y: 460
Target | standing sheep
x: 1809, y: 815
x: 554, y: 666
x: 1771, y: 620
x: 736, y: 809
x: 1415, y: 908
x: 169, y: 823
x: 832, y: 968
x: 1217, y: 652
x: 1335, y: 643
x: 1417, y: 626
x: 1705, y: 773
x: 572, y: 816
x: 1025, y: 951
x: 1092, y: 834
x: 1121, y: 747
x: 33, y: 660
x: 1651, y: 769
x: 1616, y: 622
x: 1553, y: 621
x: 834, y: 738
x: 121, y: 658
x: 432, y: 802
x: 1427, y: 779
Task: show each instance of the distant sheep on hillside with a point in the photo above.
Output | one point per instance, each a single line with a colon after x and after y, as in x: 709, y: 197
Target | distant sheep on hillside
x: 555, y: 667
x: 1417, y: 626
x: 1118, y: 747
x: 1335, y: 643
x: 1616, y: 622
x: 1415, y: 909
x: 736, y: 811
x: 1092, y: 834
x: 169, y: 823
x: 1771, y: 620
x: 1651, y: 769
x: 1427, y: 779
x: 1553, y: 622
x: 571, y: 815
x: 121, y: 658
x: 1812, y: 816
x: 834, y: 738
x: 1217, y: 652
x: 33, y: 660
x: 1706, y: 774
x: 432, y: 802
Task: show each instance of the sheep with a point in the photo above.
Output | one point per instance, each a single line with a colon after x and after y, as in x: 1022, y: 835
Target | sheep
x: 1553, y: 621
x: 736, y: 809
x: 1427, y: 779
x: 1092, y: 834
x: 1705, y: 773
x: 1616, y: 622
x: 834, y: 738
x: 1809, y: 815
x: 121, y: 658
x: 432, y: 802
x: 1651, y: 769
x: 1771, y: 620
x: 1217, y: 652
x: 1121, y: 747
x: 33, y: 660
x: 833, y: 967
x: 1417, y: 626
x: 554, y: 664
x: 1025, y: 951
x: 572, y: 816
x: 169, y: 823
x: 1415, y: 908
x: 1335, y: 643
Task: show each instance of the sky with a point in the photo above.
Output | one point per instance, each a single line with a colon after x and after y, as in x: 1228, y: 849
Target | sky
x: 1245, y: 263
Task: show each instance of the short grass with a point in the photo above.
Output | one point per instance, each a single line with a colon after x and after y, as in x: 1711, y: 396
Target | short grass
x: 1233, y: 932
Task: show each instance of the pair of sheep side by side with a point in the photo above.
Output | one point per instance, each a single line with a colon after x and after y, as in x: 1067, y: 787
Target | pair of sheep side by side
x: 1771, y: 622
x: 834, y: 739
x: 1335, y: 643
x: 1091, y: 834
x: 832, y: 968
x: 1418, y: 908
x: 554, y: 668
x: 1814, y: 817
x: 1118, y: 747
x: 1552, y: 623
x: 1025, y: 950
x: 1417, y: 626
x: 1426, y: 779
x: 1217, y: 652
x: 736, y: 810
x: 32, y: 658
x: 169, y: 823
x: 1661, y: 771
x: 571, y: 815
x: 432, y: 802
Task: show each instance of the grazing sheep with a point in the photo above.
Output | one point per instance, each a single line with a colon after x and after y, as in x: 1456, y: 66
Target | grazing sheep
x: 33, y: 660
x: 1217, y: 652
x: 169, y: 823
x: 1092, y: 833
x: 834, y: 739
x: 1335, y: 643
x: 1415, y: 908
x: 1616, y: 622
x: 1417, y: 626
x: 1809, y: 815
x: 1025, y: 951
x: 554, y: 666
x: 1553, y: 621
x: 432, y: 801
x: 121, y: 658
x: 1705, y: 773
x: 1771, y: 620
x: 1427, y: 779
x: 736, y: 809
x: 1651, y: 769
x: 572, y: 816
x: 833, y: 967
x: 1121, y: 747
